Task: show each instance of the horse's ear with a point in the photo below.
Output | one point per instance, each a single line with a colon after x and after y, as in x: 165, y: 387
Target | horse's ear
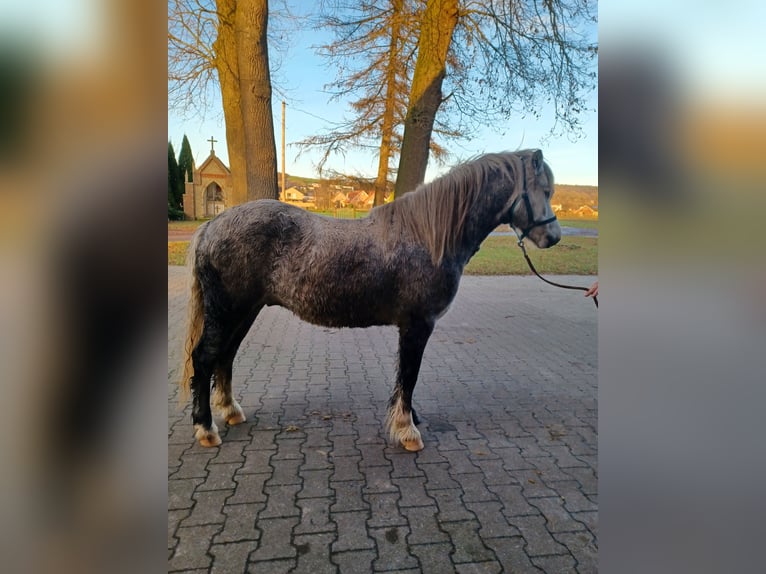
x: 537, y: 161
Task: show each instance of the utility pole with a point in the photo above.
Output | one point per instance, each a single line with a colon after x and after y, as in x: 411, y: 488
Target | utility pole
x: 284, y: 197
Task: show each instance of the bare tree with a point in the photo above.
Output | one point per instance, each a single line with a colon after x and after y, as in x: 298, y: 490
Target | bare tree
x: 371, y: 49
x: 251, y: 25
x: 503, y: 57
x: 438, y: 24
x: 209, y: 42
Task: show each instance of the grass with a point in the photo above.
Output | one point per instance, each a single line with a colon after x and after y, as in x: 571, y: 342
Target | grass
x: 579, y: 223
x: 177, y: 252
x: 184, y: 225
x: 499, y: 256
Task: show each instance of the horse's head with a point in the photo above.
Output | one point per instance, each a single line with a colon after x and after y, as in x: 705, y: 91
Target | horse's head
x: 530, y: 212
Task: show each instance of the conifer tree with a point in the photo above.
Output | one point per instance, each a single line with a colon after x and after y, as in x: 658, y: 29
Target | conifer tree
x: 175, y: 210
x: 186, y: 161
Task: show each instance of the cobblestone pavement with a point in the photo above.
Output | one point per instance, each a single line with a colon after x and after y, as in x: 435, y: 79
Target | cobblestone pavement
x: 507, y: 481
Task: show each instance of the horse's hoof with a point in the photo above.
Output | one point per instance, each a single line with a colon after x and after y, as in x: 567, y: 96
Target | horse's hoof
x: 413, y: 445
x: 210, y: 440
x: 207, y: 437
x: 236, y: 419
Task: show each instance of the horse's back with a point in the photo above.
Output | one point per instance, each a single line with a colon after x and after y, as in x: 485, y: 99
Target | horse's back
x: 327, y: 271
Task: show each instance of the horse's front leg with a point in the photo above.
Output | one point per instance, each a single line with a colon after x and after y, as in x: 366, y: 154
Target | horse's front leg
x: 413, y: 337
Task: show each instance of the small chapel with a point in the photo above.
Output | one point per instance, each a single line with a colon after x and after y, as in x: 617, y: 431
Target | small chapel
x: 210, y: 191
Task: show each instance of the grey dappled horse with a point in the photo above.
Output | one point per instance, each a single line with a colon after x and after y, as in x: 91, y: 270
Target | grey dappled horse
x: 400, y: 265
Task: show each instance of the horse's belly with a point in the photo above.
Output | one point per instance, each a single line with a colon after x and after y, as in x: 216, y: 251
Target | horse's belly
x: 336, y: 312
x: 349, y: 302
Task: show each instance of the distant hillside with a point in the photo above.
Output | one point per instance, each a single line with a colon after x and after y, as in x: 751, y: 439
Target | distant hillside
x: 571, y: 197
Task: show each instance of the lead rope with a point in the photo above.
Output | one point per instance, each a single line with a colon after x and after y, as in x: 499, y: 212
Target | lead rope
x: 520, y: 243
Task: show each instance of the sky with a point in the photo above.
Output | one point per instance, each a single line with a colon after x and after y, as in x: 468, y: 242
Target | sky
x: 309, y: 111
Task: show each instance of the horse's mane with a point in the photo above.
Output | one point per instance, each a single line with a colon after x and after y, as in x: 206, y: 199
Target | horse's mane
x: 435, y: 213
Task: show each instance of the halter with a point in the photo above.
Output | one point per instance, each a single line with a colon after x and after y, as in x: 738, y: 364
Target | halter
x: 528, y: 205
x: 525, y: 196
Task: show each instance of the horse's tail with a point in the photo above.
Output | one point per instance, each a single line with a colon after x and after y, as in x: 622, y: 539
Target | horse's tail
x: 196, y: 316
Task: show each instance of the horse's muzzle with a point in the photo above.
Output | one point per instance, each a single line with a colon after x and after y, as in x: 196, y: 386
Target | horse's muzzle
x: 552, y: 237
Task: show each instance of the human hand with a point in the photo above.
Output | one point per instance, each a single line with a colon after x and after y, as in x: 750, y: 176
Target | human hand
x: 592, y: 291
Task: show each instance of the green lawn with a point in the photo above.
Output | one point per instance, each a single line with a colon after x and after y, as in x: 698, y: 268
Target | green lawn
x: 499, y: 256
x: 184, y: 225
x: 579, y: 223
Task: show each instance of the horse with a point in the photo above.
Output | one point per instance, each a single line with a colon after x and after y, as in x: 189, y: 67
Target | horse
x: 400, y: 266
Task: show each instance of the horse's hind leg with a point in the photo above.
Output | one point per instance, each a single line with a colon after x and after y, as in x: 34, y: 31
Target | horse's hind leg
x: 412, y: 342
x: 223, y: 401
x: 204, y: 358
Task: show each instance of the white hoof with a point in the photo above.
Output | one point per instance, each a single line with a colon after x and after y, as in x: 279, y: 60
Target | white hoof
x: 402, y: 429
x: 207, y: 437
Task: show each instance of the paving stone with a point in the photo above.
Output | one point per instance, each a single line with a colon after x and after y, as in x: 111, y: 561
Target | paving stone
x: 493, y: 471
x: 424, y: 526
x: 561, y: 563
x: 281, y: 501
x: 536, y: 535
x: 240, y: 524
x: 589, y: 519
x: 509, y: 469
x: 384, y: 510
x: 249, y: 488
x: 283, y: 566
x: 208, y: 507
x: 354, y: 561
x: 404, y: 465
x: 346, y: 468
x: 479, y: 568
x: 192, y: 549
x: 180, y: 492
x: 352, y: 532
x: 285, y: 472
x: 557, y: 518
x: 232, y: 557
x: 348, y: 496
x: 511, y: 554
x: 493, y: 522
x: 256, y: 462
x: 582, y: 548
x: 316, y: 458
x: 378, y: 479
x: 450, y: 505
x: 473, y: 487
x: 459, y: 462
x: 438, y: 476
x: 468, y: 545
x: 514, y: 502
x: 316, y: 483
x: 276, y: 539
x: 434, y: 558
x: 393, y: 553
x: 220, y: 476
x: 412, y: 492
x: 231, y: 450
x: 174, y: 518
x: 315, y: 516
x: 194, y: 464
x: 314, y: 554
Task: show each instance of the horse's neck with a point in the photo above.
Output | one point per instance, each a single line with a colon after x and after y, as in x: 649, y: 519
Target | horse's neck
x: 481, y: 221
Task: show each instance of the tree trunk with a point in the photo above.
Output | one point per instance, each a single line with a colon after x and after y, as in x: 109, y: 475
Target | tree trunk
x: 225, y: 47
x: 387, y: 126
x: 439, y: 20
x: 251, y: 23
